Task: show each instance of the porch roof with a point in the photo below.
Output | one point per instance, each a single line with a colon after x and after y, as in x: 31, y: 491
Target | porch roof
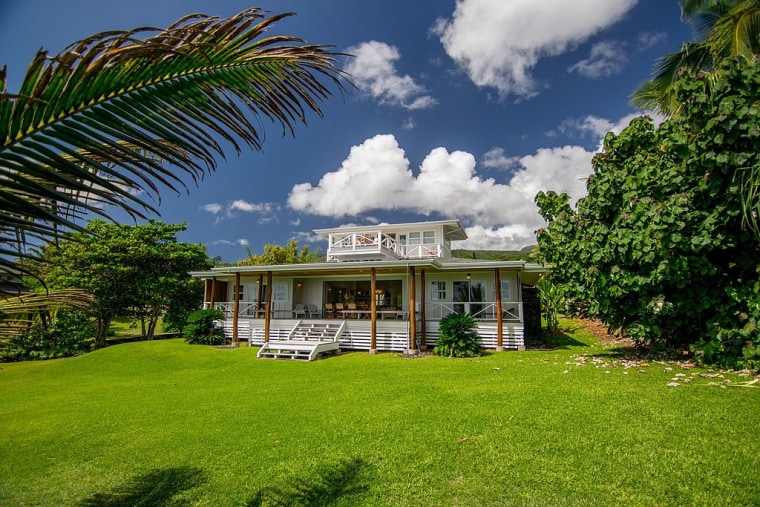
x: 531, y: 272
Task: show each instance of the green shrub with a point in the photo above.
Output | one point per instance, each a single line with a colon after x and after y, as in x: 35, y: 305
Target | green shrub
x: 200, y: 328
x: 70, y: 333
x: 458, y: 336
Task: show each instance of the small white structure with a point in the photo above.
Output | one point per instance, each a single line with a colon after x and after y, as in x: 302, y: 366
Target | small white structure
x: 383, y: 287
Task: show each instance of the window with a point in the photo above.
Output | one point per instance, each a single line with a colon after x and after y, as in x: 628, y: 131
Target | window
x: 414, y: 238
x: 428, y: 237
x: 280, y: 292
x: 506, y: 290
x: 438, y: 291
x: 240, y: 291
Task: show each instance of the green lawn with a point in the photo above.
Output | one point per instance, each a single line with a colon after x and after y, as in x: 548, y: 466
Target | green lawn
x: 165, y: 423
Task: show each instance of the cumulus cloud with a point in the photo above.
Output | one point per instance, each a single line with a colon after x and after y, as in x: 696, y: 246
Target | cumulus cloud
x: 213, y: 207
x: 374, y: 72
x: 496, y: 159
x: 265, y: 210
x: 499, y: 42
x: 605, y: 59
x: 447, y: 184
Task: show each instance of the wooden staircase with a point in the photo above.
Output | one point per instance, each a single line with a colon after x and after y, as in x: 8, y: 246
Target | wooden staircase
x: 306, y: 341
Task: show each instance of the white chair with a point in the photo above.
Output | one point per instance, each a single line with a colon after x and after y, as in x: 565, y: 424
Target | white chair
x: 313, y: 310
x: 300, y: 310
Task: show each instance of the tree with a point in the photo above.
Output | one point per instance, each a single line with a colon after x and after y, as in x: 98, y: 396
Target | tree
x: 277, y: 254
x: 129, y: 270
x: 95, y: 124
x: 724, y: 29
x: 657, y: 248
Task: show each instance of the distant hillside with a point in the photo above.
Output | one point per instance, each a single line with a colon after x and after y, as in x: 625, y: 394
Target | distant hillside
x: 497, y: 255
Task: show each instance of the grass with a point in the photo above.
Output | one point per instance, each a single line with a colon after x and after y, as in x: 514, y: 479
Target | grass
x: 127, y: 327
x: 165, y: 423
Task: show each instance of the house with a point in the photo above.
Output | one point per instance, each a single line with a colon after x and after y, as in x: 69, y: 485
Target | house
x: 381, y: 288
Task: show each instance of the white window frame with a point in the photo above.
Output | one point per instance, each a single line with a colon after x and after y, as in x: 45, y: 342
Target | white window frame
x: 280, y: 292
x: 438, y: 291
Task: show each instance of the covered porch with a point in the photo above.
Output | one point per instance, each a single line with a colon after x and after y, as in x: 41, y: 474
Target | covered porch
x: 382, y: 306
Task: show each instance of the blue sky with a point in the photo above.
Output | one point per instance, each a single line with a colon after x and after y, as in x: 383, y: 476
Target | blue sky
x: 463, y: 110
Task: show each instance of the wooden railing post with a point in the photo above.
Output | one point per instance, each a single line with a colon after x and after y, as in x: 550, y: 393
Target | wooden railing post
x: 499, y: 323
x: 268, y: 314
x: 373, y: 311
x: 412, y: 316
x: 235, y: 310
x: 423, y: 325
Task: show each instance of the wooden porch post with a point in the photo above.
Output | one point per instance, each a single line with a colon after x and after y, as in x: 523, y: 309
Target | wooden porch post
x: 258, y: 297
x: 499, y: 323
x: 423, y: 326
x: 213, y: 291
x: 373, y: 311
x: 412, y: 316
x: 268, y: 314
x: 235, y: 310
x: 206, y: 292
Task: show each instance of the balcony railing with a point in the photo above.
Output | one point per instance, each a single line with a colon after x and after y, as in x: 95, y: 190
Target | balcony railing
x: 363, y: 243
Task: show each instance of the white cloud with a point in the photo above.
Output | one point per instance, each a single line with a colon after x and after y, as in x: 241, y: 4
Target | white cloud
x: 499, y: 42
x: 496, y: 159
x: 605, y: 59
x: 238, y: 242
x: 597, y: 128
x: 647, y: 40
x: 213, y: 207
x: 241, y: 205
x: 447, y: 184
x: 373, y: 71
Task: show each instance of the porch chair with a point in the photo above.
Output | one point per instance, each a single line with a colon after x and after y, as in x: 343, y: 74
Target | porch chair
x: 300, y: 309
x: 329, y: 310
x: 313, y: 310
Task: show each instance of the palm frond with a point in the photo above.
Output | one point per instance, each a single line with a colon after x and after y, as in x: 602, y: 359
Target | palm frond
x: 17, y: 313
x: 658, y: 93
x: 171, y: 96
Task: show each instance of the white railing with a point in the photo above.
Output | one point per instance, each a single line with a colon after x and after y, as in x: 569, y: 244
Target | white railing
x: 423, y: 251
x: 363, y: 242
x: 486, y: 310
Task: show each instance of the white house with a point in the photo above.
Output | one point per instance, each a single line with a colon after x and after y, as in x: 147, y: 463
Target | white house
x: 382, y: 287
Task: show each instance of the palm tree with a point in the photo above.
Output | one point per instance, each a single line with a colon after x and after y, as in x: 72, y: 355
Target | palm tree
x: 723, y: 29
x: 124, y: 114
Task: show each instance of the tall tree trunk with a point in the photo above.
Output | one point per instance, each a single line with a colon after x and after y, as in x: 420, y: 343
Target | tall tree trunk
x: 104, y: 322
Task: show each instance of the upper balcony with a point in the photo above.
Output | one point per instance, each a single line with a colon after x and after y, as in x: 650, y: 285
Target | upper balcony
x: 362, y: 246
x: 387, y: 242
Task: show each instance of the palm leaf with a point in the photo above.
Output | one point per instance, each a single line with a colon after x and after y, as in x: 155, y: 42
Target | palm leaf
x: 17, y: 313
x: 172, y: 96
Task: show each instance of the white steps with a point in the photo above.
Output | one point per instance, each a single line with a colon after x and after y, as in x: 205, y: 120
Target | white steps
x: 306, y: 341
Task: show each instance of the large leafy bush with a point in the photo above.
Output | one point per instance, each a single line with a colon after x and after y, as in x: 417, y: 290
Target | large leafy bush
x: 201, y: 330
x: 458, y: 336
x: 658, y: 248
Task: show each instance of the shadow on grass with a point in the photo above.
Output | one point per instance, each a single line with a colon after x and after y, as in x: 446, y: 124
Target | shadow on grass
x: 346, y: 481
x: 559, y: 340
x: 157, y: 487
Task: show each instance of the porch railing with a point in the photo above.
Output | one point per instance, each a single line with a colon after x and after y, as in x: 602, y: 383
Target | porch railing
x: 434, y: 310
x: 485, y: 310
